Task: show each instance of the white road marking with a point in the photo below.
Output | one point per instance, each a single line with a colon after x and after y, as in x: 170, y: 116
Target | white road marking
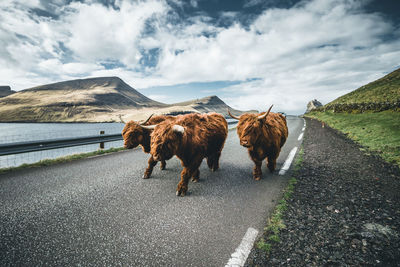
x: 288, y: 161
x: 303, y: 129
x: 300, y: 136
x: 239, y: 257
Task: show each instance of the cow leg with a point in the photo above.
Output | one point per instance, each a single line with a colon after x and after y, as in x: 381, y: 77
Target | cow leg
x: 271, y: 163
x: 216, y: 161
x: 210, y: 161
x: 183, y: 183
x: 163, y: 164
x: 150, y: 167
x: 257, y: 170
x: 186, y: 173
x: 195, y: 176
x: 213, y: 161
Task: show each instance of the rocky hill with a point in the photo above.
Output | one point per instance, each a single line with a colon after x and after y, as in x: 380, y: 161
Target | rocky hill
x: 6, y: 91
x: 103, y: 99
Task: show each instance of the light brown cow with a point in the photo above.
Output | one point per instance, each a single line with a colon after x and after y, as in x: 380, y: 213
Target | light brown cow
x: 263, y: 135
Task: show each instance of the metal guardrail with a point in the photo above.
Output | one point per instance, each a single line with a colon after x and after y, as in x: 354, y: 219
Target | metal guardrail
x: 39, y: 145
x: 31, y: 146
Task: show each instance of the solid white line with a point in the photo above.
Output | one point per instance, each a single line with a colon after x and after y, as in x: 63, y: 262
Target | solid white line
x: 288, y: 161
x: 239, y: 257
x: 300, y: 136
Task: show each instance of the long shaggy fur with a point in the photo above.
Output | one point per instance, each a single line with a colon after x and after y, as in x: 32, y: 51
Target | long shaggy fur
x: 203, y: 137
x: 263, y: 138
x: 135, y: 135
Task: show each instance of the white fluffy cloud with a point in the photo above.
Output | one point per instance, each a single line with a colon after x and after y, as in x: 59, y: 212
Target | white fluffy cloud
x: 80, y: 40
x: 98, y: 33
x: 316, y: 49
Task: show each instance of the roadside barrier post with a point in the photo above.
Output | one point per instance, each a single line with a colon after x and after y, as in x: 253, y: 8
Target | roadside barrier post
x: 102, y: 143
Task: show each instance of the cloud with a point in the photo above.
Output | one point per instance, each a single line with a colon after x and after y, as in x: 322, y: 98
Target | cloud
x: 194, y: 3
x: 317, y: 49
x: 99, y: 33
x: 77, y: 37
x: 285, y: 56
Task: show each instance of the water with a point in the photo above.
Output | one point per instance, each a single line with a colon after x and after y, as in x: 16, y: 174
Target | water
x: 22, y: 132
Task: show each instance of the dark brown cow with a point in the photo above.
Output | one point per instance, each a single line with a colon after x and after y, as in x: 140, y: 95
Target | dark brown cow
x: 191, y: 138
x: 135, y: 135
x: 263, y: 134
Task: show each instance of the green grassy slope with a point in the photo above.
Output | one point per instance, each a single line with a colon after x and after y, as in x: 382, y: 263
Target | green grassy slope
x: 365, y: 116
x: 385, y: 89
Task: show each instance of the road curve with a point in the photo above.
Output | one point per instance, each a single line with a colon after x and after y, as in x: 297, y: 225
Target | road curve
x: 100, y: 212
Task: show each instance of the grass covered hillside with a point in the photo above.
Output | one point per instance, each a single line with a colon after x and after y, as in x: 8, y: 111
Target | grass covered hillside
x: 385, y: 89
x: 379, y: 95
x: 369, y: 115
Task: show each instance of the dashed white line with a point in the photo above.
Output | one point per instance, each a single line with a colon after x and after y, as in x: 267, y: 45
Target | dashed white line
x: 303, y: 129
x: 288, y: 161
x: 239, y: 257
x: 300, y: 136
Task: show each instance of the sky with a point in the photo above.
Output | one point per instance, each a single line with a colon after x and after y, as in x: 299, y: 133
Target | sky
x: 250, y: 53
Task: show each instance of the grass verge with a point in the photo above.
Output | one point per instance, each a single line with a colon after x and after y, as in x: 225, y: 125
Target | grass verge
x: 275, y: 223
x: 378, y: 132
x: 47, y: 162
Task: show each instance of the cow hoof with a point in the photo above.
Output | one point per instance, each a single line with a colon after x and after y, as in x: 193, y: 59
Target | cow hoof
x: 180, y: 194
x: 146, y: 176
x: 258, y: 178
x: 195, y: 180
x: 162, y: 168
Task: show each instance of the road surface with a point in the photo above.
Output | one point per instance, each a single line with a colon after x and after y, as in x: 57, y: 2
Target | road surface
x: 100, y: 212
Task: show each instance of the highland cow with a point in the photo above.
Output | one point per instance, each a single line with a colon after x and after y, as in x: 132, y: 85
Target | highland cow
x: 135, y: 135
x: 191, y: 138
x: 263, y: 135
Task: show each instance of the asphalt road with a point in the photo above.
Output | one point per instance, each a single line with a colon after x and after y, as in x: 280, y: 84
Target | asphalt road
x: 100, y: 212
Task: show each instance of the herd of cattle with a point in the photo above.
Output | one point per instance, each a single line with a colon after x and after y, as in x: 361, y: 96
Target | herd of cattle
x: 193, y: 137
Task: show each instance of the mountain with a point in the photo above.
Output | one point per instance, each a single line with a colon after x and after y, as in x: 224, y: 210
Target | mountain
x: 75, y: 100
x: 102, y: 91
x: 6, y: 91
x: 102, y: 99
x: 210, y: 104
x: 381, y: 94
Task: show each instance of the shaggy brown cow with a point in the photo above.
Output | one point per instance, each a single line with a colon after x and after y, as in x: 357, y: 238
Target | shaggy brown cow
x: 191, y: 138
x: 263, y: 134
x: 135, y: 135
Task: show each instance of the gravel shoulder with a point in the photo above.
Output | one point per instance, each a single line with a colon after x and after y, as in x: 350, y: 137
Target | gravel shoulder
x: 344, y: 211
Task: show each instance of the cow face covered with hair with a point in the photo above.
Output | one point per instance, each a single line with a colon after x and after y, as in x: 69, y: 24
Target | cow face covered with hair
x: 263, y: 135
x: 191, y: 138
x: 134, y: 134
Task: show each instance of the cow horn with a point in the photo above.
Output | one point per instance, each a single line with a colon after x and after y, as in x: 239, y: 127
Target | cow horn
x: 266, y: 114
x: 235, y: 117
x: 143, y: 123
x: 148, y: 127
x: 178, y: 128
